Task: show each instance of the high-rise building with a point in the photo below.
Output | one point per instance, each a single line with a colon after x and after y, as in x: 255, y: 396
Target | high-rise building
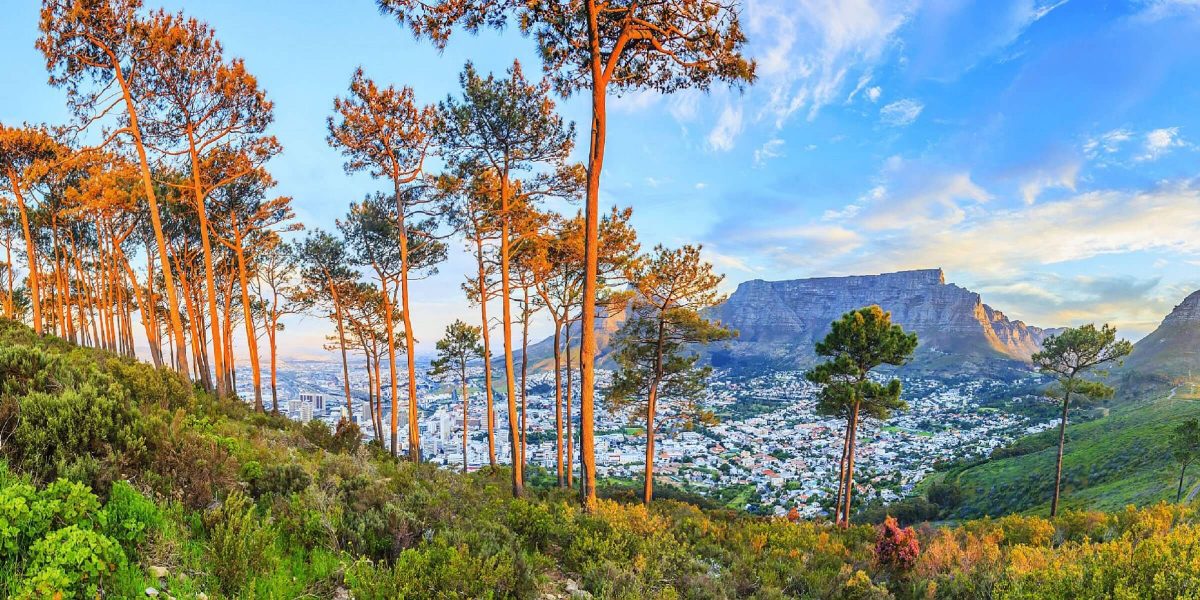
x: 316, y: 401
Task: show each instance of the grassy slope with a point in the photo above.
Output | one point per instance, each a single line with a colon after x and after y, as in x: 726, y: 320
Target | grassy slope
x: 1122, y: 458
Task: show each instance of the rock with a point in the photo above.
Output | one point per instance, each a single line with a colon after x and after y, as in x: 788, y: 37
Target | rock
x: 151, y: 592
x: 201, y: 596
x: 785, y: 319
x: 158, y: 572
x: 779, y: 322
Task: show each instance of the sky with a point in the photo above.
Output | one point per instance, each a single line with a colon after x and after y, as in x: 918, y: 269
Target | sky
x: 1045, y: 154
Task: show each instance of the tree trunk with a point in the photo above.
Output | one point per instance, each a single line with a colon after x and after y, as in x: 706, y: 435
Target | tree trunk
x: 209, y: 278
x: 1062, y: 440
x: 466, y: 407
x: 1179, y: 493
x: 558, y: 400
x: 337, y: 315
x: 518, y: 477
x: 389, y: 327
x: 651, y: 409
x: 848, y: 496
x: 410, y: 344
x: 30, y: 253
x: 524, y: 368
x: 837, y: 501
x: 487, y: 353
x: 248, y: 317
x: 570, y: 458
x: 155, y: 222
x: 587, y: 346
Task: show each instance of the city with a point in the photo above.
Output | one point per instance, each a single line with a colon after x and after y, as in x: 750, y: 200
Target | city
x: 770, y: 452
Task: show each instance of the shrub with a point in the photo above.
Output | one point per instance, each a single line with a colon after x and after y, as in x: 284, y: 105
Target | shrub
x: 59, y: 429
x: 238, y: 542
x: 277, y: 480
x: 347, y: 437
x: 129, y: 517
x: 896, y: 549
x: 71, y: 563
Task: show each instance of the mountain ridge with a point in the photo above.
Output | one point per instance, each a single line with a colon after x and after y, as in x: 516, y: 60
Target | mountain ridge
x: 779, y: 322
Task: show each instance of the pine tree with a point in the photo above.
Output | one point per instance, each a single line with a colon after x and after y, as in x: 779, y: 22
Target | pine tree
x: 858, y: 343
x: 1067, y: 357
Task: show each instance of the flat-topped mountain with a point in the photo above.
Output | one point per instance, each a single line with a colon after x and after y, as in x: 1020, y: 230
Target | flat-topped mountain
x: 780, y: 321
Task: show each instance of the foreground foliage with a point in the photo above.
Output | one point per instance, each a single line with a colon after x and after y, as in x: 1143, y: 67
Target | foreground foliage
x: 170, y: 489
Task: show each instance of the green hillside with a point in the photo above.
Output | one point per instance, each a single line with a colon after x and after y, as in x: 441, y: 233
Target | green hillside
x: 119, y: 481
x: 1118, y: 459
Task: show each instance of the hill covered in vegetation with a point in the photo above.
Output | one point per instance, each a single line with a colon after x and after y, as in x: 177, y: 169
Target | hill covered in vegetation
x: 120, y: 481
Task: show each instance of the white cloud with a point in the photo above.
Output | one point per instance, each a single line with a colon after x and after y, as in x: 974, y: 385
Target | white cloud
x: 637, y: 101
x: 1063, y: 176
x: 806, y: 49
x: 773, y: 148
x: 874, y: 93
x: 728, y: 126
x: 901, y: 112
x: 1159, y: 142
x: 1106, y: 143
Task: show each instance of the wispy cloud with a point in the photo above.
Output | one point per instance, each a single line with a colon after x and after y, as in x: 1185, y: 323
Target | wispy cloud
x: 728, y: 126
x: 1159, y: 142
x: 773, y: 148
x: 812, y: 48
x: 901, y: 112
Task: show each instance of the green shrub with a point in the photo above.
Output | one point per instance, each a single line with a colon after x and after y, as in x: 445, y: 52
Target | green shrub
x: 238, y: 543
x: 71, y: 563
x: 129, y: 517
x: 276, y: 480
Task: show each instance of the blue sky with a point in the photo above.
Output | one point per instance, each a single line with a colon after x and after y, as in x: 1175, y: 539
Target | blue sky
x: 1043, y: 153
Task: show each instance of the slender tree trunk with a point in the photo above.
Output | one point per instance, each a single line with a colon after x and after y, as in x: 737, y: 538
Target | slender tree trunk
x: 337, y: 315
x: 410, y: 343
x: 570, y: 458
x: 274, y: 369
x: 1179, y: 493
x: 847, y: 497
x: 514, y: 434
x: 651, y: 410
x: 558, y: 402
x: 153, y: 332
x: 35, y: 297
x: 487, y: 353
x: 1062, y: 441
x: 9, y: 309
x: 152, y: 199
x: 248, y: 317
x: 389, y: 326
x: 524, y: 369
x: 837, y: 499
x: 209, y: 278
x: 466, y: 407
x: 587, y: 346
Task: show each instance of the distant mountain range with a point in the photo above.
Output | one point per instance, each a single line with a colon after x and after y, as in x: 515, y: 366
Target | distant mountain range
x: 780, y: 321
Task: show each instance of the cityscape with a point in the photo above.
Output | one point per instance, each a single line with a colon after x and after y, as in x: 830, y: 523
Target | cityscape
x: 771, y: 451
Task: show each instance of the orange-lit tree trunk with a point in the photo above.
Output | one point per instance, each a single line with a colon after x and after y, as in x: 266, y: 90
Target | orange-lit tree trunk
x: 487, y: 351
x: 155, y: 222
x: 410, y: 348
x: 209, y: 279
x: 248, y: 318
x: 30, y: 253
x: 518, y: 475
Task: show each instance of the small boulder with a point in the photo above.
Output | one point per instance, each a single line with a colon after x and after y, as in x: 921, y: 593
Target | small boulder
x: 158, y: 572
x: 151, y: 592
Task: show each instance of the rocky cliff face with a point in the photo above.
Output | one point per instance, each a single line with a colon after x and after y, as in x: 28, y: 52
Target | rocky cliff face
x: 779, y: 322
x: 1173, y: 349
x: 782, y: 319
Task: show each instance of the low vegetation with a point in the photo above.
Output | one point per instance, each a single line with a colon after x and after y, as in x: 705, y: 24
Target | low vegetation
x: 167, y: 488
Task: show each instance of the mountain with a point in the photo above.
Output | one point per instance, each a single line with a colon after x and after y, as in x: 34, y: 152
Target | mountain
x: 779, y: 322
x: 1171, y: 351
